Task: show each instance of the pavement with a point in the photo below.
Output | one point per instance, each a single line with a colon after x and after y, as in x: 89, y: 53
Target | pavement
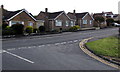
x: 55, y: 52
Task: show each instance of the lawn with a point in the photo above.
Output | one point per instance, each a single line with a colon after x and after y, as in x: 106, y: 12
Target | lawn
x: 106, y: 47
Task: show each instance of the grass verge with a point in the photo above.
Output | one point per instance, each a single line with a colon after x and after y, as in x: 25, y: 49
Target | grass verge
x: 106, y: 47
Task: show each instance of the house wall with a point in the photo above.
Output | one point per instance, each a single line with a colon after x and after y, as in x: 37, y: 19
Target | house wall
x: 25, y: 18
x: 63, y: 18
x: 41, y: 16
x: 88, y: 25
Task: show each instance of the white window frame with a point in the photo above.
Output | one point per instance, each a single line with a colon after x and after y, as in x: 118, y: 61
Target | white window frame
x: 84, y: 21
x: 58, y: 23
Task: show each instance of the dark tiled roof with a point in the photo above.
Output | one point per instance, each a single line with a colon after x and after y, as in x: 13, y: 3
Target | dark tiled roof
x: 9, y: 14
x: 80, y: 15
x: 52, y: 15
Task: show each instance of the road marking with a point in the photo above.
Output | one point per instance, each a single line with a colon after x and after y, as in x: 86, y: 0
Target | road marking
x: 42, y: 45
x: 22, y: 48
x: 63, y: 43
x: 57, y: 43
x: 75, y: 40
x: 48, y: 44
x: 70, y: 41
x: 19, y: 57
x: 11, y: 49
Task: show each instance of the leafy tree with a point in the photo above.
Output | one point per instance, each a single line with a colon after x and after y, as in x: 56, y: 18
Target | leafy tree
x: 109, y: 21
x: 99, y: 19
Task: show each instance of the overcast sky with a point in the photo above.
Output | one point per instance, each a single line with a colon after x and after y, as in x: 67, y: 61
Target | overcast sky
x: 35, y: 6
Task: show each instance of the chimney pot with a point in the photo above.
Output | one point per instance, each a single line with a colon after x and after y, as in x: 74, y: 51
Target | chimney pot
x: 46, y: 10
x: 2, y: 6
x: 73, y: 11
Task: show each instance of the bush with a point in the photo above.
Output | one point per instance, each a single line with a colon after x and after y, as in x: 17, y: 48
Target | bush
x: 18, y: 28
x: 42, y: 29
x: 74, y: 28
x: 8, y: 31
x: 29, y: 29
x: 109, y: 21
x: 4, y: 25
x: 35, y: 30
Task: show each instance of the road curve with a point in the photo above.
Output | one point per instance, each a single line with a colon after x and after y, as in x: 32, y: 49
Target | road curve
x: 60, y: 52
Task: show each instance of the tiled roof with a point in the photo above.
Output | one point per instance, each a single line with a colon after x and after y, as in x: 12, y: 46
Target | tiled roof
x: 9, y: 14
x: 80, y: 15
x: 77, y: 15
x: 52, y: 15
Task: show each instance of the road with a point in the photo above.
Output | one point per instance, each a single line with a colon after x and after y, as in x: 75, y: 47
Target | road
x: 54, y: 52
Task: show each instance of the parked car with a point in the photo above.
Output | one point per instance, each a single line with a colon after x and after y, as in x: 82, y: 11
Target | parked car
x: 116, y: 24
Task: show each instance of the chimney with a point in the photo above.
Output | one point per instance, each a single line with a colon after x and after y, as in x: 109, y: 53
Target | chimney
x: 46, y: 10
x: 74, y: 12
x: 2, y: 6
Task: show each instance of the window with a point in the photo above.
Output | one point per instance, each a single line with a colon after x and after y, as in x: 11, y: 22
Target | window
x: 72, y: 23
x: 58, y: 23
x: 90, y: 21
x: 84, y: 21
x: 15, y: 22
x: 67, y: 23
x: 30, y: 23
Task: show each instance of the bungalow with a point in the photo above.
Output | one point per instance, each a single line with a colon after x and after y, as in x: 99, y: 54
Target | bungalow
x: 105, y: 15
x: 54, y: 21
x: 20, y: 16
x: 84, y: 20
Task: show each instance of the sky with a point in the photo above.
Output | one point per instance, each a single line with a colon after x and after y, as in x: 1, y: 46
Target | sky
x: 35, y: 6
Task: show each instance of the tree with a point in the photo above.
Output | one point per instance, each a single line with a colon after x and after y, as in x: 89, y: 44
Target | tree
x: 109, y: 21
x: 99, y: 20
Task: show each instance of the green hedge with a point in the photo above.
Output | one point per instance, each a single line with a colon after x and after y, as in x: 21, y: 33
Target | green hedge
x: 29, y: 29
x: 74, y: 28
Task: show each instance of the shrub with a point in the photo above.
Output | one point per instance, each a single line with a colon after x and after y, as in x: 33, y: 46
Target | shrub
x: 74, y: 28
x: 35, y: 30
x: 4, y: 25
x: 18, y: 28
x: 109, y: 21
x: 29, y: 29
x: 42, y: 29
x: 8, y: 31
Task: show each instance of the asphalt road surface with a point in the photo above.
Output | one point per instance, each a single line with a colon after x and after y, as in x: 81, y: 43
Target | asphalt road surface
x: 54, y: 52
